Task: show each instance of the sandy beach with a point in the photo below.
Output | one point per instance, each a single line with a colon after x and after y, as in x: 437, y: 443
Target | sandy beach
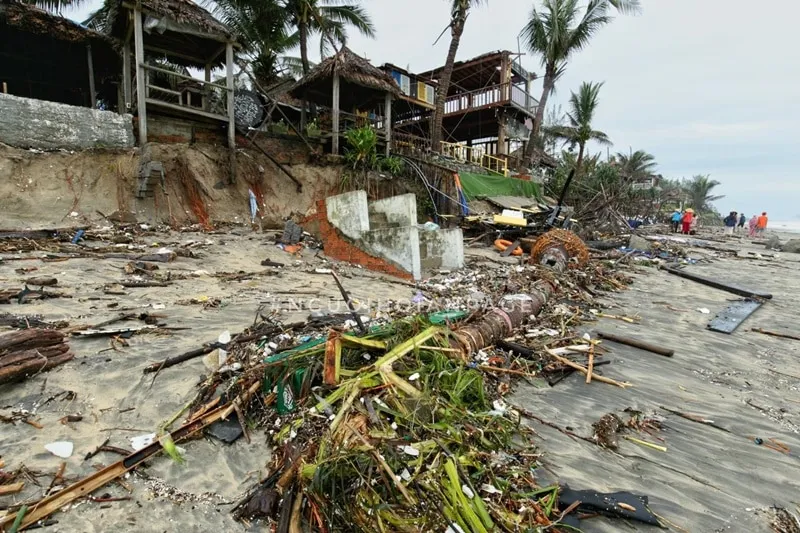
x: 708, y: 479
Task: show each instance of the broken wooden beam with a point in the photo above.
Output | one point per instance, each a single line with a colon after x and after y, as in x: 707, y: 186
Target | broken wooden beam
x: 636, y: 344
x: 734, y: 289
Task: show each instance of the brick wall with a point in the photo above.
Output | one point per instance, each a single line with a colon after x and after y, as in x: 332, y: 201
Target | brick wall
x: 339, y: 248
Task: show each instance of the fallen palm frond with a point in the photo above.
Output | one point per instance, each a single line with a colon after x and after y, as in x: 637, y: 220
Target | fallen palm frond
x: 409, y: 441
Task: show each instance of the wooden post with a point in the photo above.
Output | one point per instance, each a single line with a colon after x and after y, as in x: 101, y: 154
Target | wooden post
x: 231, y: 117
x: 335, y: 118
x: 92, y: 93
x: 126, y: 76
x: 387, y: 122
x: 206, y: 100
x: 140, y: 76
x: 501, y: 134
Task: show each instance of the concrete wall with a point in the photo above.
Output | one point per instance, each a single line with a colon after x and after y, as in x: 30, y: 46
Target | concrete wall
x: 399, y: 245
x: 400, y: 210
x: 349, y: 212
x: 30, y: 123
x: 442, y: 249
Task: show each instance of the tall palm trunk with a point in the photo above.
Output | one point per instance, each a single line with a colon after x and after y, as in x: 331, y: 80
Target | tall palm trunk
x: 302, y: 28
x: 457, y: 28
x: 547, y: 87
x: 579, y: 161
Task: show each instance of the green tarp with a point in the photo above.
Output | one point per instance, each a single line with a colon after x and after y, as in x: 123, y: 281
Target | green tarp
x: 475, y: 185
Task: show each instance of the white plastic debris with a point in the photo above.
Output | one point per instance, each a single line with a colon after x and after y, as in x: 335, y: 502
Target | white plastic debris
x: 587, y: 337
x: 405, y: 475
x: 142, y: 441
x: 467, y: 491
x: 410, y: 450
x: 454, y: 528
x: 703, y: 310
x: 490, y: 489
x: 323, y: 270
x: 224, y: 338
x: 61, y: 449
x: 414, y: 376
x: 159, y: 306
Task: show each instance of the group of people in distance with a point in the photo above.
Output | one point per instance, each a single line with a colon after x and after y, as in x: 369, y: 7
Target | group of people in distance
x: 756, y: 225
x: 686, y: 222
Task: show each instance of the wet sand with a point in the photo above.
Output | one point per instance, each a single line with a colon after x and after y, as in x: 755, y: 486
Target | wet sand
x: 109, y: 382
x: 706, y: 481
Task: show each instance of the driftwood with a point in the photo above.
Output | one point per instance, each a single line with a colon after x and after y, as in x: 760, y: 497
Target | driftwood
x: 636, y: 344
x: 30, y: 351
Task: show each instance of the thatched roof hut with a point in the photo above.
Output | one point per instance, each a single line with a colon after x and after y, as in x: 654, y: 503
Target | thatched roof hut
x: 362, y: 85
x: 186, y: 32
x: 46, y: 57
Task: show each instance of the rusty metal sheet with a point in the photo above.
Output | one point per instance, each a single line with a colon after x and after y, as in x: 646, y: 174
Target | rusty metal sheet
x: 729, y: 318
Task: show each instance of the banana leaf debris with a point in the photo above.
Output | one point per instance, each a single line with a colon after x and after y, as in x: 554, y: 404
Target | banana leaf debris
x: 399, y: 422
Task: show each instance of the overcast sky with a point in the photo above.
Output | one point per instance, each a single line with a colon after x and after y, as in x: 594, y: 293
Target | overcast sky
x: 706, y: 86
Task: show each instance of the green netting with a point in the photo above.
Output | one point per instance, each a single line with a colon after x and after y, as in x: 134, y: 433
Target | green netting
x: 475, y: 185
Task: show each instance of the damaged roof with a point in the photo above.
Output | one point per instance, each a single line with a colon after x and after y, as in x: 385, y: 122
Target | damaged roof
x: 352, y: 69
x: 186, y: 12
x: 31, y: 19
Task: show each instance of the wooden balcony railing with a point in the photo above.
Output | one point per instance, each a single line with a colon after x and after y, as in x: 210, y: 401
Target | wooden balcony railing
x: 476, y: 156
x: 496, y: 95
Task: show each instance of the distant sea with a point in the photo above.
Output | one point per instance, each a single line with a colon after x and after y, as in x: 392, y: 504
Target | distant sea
x: 791, y: 225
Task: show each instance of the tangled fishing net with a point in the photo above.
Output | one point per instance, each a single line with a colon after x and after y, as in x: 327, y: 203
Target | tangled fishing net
x: 559, y: 241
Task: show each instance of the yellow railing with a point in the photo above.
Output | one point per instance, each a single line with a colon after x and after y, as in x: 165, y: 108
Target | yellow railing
x: 476, y: 156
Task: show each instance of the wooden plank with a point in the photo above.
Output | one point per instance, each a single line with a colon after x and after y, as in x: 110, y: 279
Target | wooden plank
x: 335, y: 118
x: 164, y: 51
x: 190, y: 110
x: 734, y: 289
x: 182, y: 76
x: 13, y: 488
x: 141, y: 104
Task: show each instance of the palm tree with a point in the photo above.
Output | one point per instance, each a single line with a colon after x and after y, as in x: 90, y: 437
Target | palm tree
x: 459, y: 12
x: 583, y: 105
x: 698, y: 190
x: 264, y: 33
x: 329, y: 19
x: 556, y: 33
x: 636, y: 165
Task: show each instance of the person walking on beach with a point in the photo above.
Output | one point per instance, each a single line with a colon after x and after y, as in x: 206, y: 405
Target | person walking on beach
x: 686, y: 221
x: 752, y: 225
x: 761, y: 225
x: 742, y: 220
x: 676, y: 220
x: 730, y: 223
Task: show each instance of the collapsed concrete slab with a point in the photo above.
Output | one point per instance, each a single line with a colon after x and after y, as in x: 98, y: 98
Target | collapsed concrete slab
x: 387, y: 229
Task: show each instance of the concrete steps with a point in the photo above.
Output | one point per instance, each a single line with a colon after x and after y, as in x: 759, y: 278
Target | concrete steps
x: 150, y: 174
